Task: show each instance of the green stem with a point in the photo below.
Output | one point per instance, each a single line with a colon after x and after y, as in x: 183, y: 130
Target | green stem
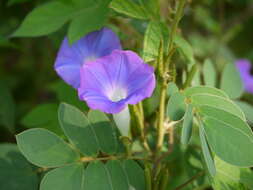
x: 161, y: 117
x: 90, y: 159
x: 190, y: 180
x: 178, y: 16
x: 165, y: 179
x: 148, y: 177
x: 190, y: 76
x: 138, y: 110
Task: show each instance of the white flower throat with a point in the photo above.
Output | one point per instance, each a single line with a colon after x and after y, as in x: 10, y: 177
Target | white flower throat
x: 117, y: 94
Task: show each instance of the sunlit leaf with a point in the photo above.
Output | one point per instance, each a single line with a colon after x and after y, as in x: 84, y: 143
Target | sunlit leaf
x: 43, y: 148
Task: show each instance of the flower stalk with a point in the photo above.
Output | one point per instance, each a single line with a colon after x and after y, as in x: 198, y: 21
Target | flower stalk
x: 164, y: 81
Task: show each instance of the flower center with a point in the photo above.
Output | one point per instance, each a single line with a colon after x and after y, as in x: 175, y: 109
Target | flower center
x: 117, y: 94
x: 90, y: 58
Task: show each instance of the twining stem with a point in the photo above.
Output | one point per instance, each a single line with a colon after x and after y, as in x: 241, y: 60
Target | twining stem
x: 179, y: 12
x: 161, y: 116
x: 138, y: 110
x: 178, y: 16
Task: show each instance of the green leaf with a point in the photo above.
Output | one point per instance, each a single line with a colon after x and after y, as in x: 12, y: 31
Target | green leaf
x: 108, y: 176
x: 231, y: 81
x: 187, y: 125
x: 135, y: 174
x: 176, y: 106
x: 45, y: 19
x: 155, y: 33
x: 209, y: 73
x: 172, y: 88
x: 129, y: 8
x: 88, y: 138
x: 152, y: 8
x: 78, y: 130
x: 230, y: 174
x: 196, y: 81
x: 104, y: 131
x: 234, y: 146
x: 247, y: 109
x: 43, y: 148
x: 64, y: 178
x: 223, y: 116
x: 204, y: 90
x: 15, y: 171
x: 218, y: 102
x: 66, y: 93
x: 7, y: 108
x: 185, y: 49
x: 43, y: 116
x: 118, y: 175
x: 206, y: 152
x: 92, y: 18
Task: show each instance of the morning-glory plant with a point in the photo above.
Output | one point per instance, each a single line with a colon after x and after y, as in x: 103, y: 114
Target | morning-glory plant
x: 150, y: 124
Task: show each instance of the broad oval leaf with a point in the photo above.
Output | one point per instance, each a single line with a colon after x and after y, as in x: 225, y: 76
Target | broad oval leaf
x: 72, y: 175
x: 89, y: 138
x: 204, y: 90
x: 218, y: 102
x: 43, y: 148
x: 129, y: 8
x: 104, y: 131
x: 209, y: 73
x: 176, y: 106
x: 92, y: 18
x: 15, y: 171
x: 231, y: 175
x: 187, y: 125
x: 206, y: 152
x: 247, y: 109
x: 230, y: 143
x: 107, y: 176
x: 45, y: 19
x: 223, y: 116
x: 184, y: 48
x: 231, y: 81
x: 135, y: 174
x: 78, y: 130
x: 154, y: 34
x: 172, y: 88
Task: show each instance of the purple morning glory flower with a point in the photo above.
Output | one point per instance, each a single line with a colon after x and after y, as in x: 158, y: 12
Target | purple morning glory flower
x: 244, y: 67
x: 110, y: 83
x: 70, y: 58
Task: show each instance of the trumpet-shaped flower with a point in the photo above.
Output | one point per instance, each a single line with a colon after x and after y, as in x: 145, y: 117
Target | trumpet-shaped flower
x: 244, y: 68
x: 70, y: 58
x: 110, y: 83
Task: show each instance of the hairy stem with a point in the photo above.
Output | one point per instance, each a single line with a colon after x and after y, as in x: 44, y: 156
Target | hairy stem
x: 89, y: 159
x: 138, y: 110
x: 161, y: 117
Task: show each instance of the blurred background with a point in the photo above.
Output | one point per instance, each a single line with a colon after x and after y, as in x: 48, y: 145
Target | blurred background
x: 30, y: 90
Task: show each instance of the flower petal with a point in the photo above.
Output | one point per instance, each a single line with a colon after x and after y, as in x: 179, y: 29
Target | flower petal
x: 94, y: 45
x: 122, y: 74
x: 244, y: 67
